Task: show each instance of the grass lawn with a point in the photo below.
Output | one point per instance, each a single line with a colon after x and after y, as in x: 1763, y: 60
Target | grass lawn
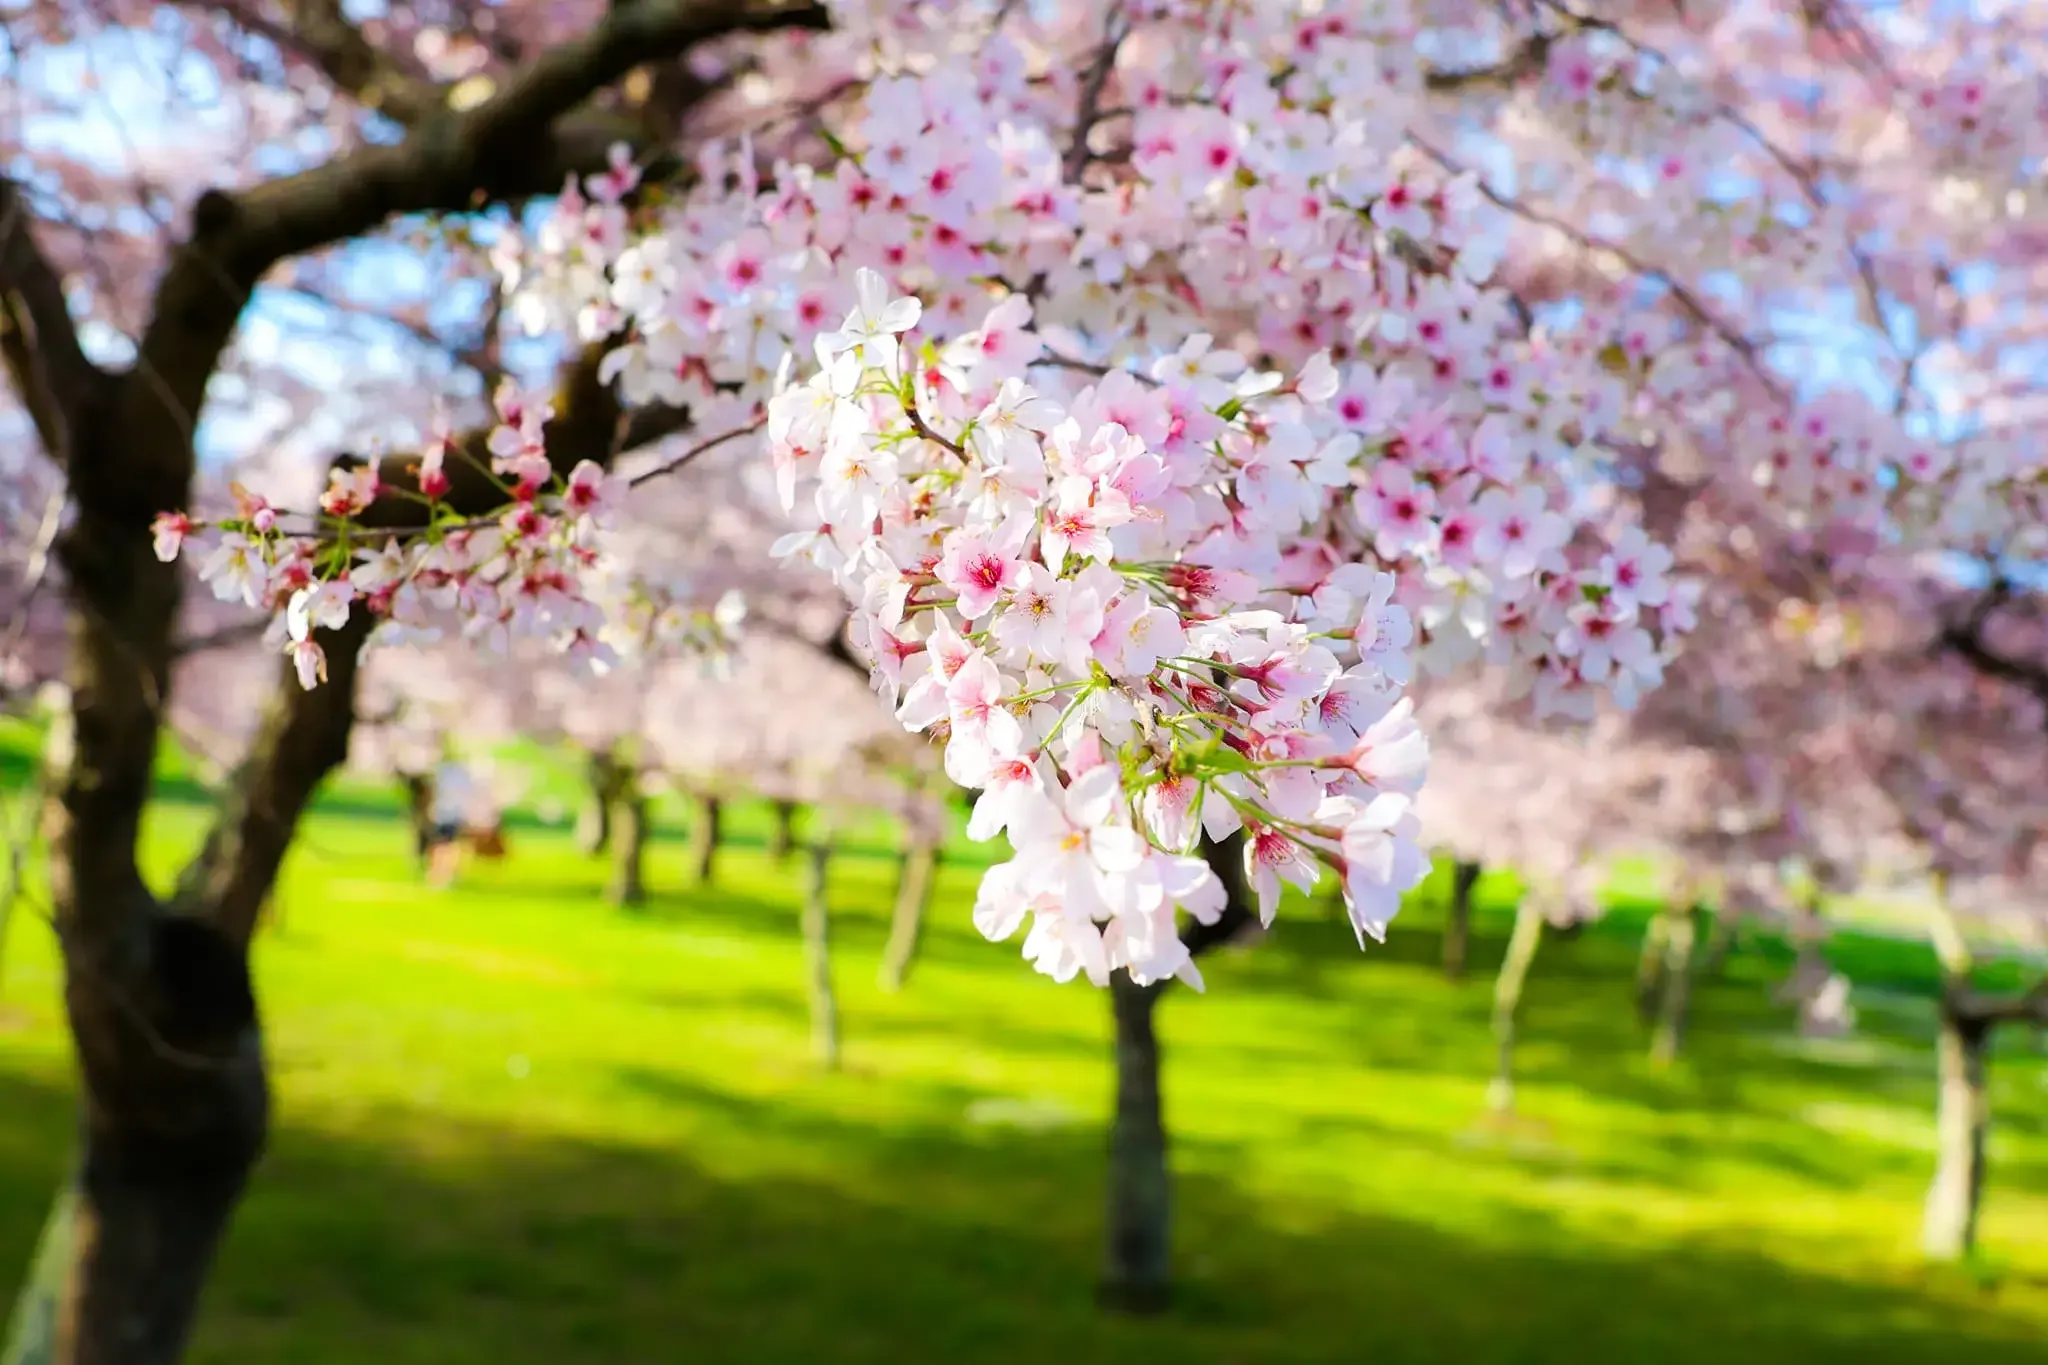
x: 516, y: 1126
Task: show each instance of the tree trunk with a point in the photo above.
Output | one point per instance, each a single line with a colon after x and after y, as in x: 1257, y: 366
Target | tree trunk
x: 173, y: 1092
x: 606, y: 781
x: 1963, y: 1123
x: 627, y: 828
x: 1672, y: 1010
x: 914, y: 884
x: 419, y: 812
x: 176, y: 1112
x: 1650, y: 966
x: 817, y: 930
x: 782, y: 833
x: 1137, y: 1274
x: 1507, y: 1001
x: 704, y: 837
x: 1458, y: 918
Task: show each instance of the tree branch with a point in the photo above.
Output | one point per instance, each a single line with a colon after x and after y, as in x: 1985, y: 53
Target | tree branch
x: 321, y: 33
x: 1966, y: 639
x: 38, y: 340
x: 1525, y: 61
x: 1087, y: 112
x: 510, y: 146
x: 305, y: 734
x: 1226, y: 859
x: 1984, y: 1009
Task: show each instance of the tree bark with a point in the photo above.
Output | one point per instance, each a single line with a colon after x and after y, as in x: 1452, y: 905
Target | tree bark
x: 1507, y: 1001
x: 605, y: 779
x: 782, y: 833
x: 1650, y: 966
x: 177, y: 1109
x: 817, y: 931
x: 1963, y: 1122
x: 704, y: 838
x: 1458, y: 918
x: 628, y: 822
x: 915, y: 881
x: 1137, y: 1273
x: 1137, y: 1269
x: 1676, y: 1004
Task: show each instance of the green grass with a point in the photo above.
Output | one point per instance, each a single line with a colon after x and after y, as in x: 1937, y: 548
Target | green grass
x: 515, y: 1126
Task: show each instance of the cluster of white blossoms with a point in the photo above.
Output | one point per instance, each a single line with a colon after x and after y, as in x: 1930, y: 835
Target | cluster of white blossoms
x: 1107, y: 654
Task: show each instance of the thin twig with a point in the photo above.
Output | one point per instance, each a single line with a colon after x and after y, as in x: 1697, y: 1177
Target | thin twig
x: 702, y: 447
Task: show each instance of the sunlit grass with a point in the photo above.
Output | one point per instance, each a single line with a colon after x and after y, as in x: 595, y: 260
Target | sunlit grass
x: 515, y: 1125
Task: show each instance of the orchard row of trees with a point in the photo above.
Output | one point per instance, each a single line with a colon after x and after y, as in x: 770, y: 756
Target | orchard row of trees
x: 1144, y: 392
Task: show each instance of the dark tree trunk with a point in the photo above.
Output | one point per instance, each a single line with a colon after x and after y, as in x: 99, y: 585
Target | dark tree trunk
x: 628, y: 840
x: 176, y: 1112
x: 1137, y: 1274
x: 174, y: 1097
x: 1650, y: 966
x: 704, y: 838
x: 782, y: 832
x: 1673, y: 1010
x: 1963, y: 1125
x: 1507, y: 1001
x: 817, y: 931
x: 419, y: 810
x: 1458, y: 918
x: 915, y: 880
x: 606, y: 780
x: 1137, y: 1268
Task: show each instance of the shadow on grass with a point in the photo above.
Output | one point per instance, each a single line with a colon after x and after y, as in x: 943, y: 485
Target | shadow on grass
x: 930, y: 1243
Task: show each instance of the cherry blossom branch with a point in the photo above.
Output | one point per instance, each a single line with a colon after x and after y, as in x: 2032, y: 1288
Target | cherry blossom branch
x: 1681, y: 293
x: 305, y: 733
x: 918, y: 425
x: 1801, y: 175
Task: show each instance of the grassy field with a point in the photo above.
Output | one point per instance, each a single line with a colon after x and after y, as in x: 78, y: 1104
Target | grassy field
x: 516, y: 1126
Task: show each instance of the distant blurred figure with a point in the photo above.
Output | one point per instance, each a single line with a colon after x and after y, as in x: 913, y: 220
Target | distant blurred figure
x: 454, y: 792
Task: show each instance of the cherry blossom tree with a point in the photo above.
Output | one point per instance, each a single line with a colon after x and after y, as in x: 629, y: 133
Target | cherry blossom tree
x: 117, y: 344
x: 1554, y: 804
x: 1159, y: 384
x: 1866, y: 727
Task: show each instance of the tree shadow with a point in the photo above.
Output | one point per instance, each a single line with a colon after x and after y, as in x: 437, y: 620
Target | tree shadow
x: 939, y: 1242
